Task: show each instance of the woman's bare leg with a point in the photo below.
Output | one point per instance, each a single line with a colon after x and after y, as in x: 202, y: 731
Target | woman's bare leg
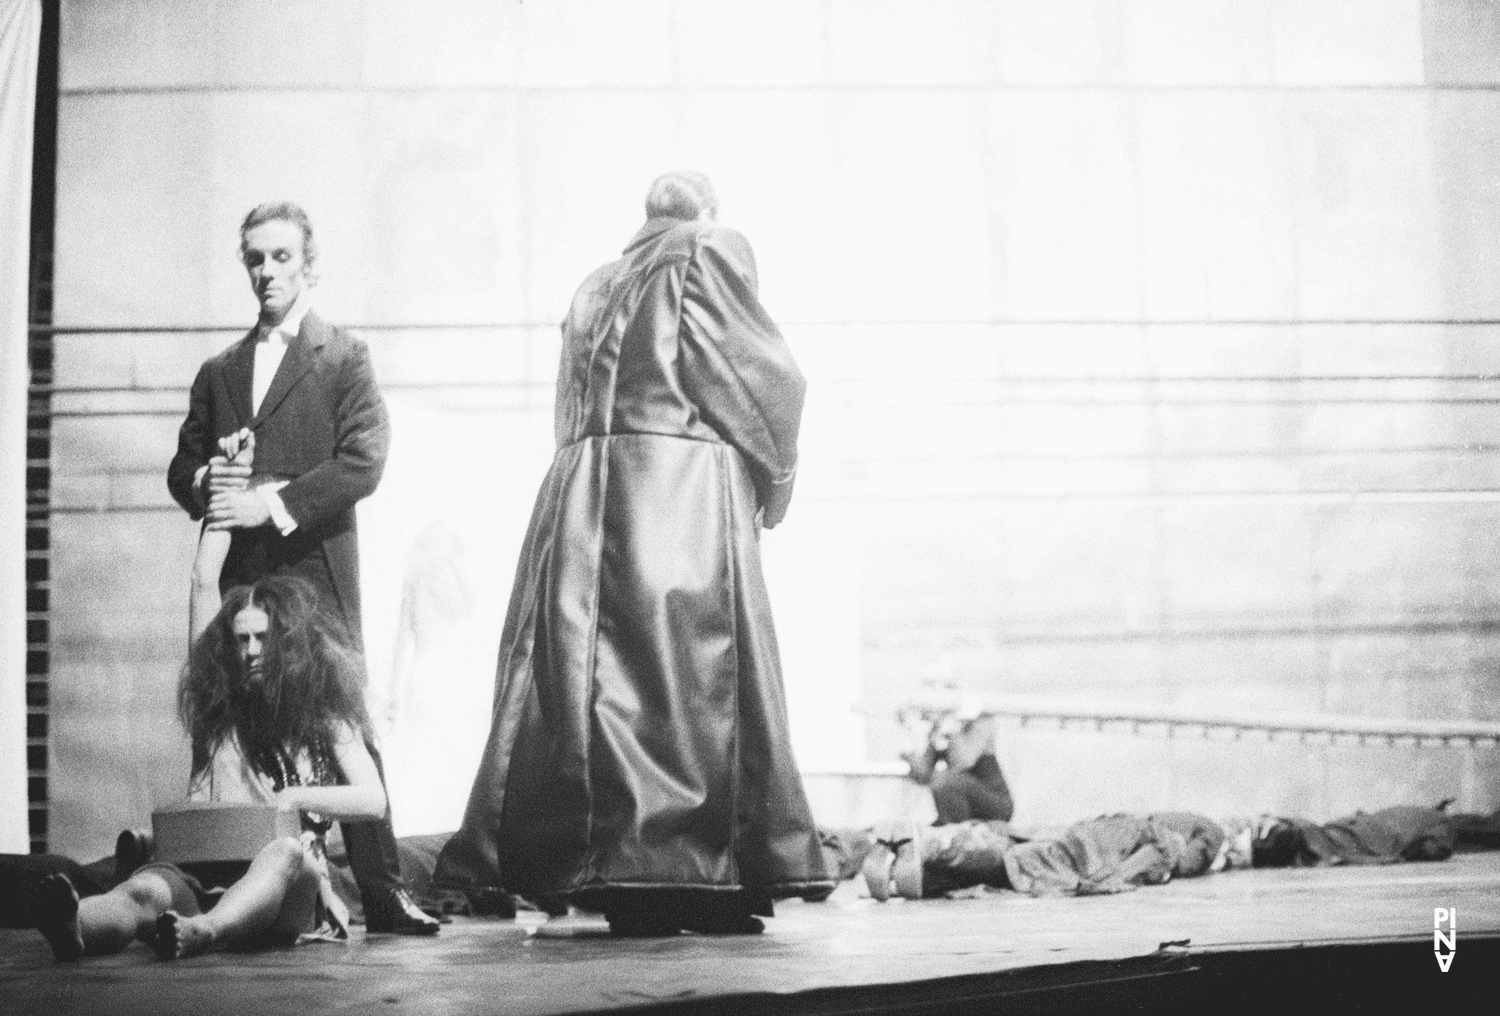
x: 99, y: 924
x: 277, y: 894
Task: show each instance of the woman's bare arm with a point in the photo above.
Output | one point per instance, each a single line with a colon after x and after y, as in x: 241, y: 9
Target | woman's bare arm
x: 362, y: 797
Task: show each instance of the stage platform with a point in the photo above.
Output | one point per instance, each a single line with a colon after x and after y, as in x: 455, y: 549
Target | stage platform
x: 1352, y: 937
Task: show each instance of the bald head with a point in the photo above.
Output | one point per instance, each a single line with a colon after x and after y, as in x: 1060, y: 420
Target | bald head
x: 681, y: 195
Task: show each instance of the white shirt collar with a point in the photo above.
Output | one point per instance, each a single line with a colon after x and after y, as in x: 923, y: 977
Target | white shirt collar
x: 290, y: 325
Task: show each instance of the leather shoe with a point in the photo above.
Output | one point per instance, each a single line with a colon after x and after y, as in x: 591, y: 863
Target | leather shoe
x: 636, y: 925
x: 491, y: 902
x: 723, y: 924
x: 400, y: 915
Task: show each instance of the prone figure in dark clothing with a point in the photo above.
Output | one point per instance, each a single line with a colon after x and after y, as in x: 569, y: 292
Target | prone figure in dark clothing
x: 1401, y: 833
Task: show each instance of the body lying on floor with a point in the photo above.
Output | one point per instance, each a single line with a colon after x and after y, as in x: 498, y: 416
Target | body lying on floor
x: 1116, y: 853
x: 1111, y: 853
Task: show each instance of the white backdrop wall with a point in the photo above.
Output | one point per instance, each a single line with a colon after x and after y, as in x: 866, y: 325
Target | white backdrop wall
x: 1144, y: 338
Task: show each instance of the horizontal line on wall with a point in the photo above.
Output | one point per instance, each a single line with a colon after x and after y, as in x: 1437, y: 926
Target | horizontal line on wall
x: 797, y: 88
x: 174, y: 413
x: 937, y: 402
x: 935, y: 460
x: 1329, y: 728
x: 868, y: 500
x: 384, y: 385
x: 1090, y: 379
x: 1306, y: 497
x: 369, y: 326
x: 930, y: 458
x: 946, y: 639
x: 911, y: 404
x: 1037, y: 380
x: 114, y: 413
x: 241, y: 328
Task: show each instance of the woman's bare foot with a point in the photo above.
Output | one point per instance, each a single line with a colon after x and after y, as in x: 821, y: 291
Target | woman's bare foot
x: 179, y: 937
x: 54, y: 904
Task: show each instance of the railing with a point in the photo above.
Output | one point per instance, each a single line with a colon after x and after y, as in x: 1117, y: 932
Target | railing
x: 1303, y: 727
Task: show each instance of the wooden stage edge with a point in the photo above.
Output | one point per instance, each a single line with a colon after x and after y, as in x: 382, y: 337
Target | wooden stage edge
x: 1357, y: 938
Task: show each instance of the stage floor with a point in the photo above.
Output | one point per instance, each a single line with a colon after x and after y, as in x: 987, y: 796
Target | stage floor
x: 847, y: 954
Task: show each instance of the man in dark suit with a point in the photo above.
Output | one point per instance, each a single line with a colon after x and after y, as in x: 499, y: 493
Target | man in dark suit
x: 307, y: 391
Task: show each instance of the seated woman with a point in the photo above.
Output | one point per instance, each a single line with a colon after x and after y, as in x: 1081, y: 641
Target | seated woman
x: 957, y: 764
x: 272, y: 698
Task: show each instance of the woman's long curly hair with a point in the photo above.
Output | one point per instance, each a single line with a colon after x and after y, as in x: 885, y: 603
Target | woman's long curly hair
x: 312, y: 680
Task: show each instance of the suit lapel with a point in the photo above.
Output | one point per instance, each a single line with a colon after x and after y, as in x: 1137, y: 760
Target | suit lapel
x: 301, y: 354
x: 239, y: 375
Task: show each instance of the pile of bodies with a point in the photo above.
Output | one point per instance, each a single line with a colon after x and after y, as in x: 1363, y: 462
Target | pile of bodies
x: 1108, y: 854
x: 1116, y: 853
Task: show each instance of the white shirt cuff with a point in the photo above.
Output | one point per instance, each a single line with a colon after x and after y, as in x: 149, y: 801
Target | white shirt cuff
x: 280, y: 517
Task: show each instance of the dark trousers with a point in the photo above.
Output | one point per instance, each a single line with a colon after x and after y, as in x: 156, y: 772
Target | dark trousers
x: 373, y: 858
x: 976, y: 793
x: 20, y: 874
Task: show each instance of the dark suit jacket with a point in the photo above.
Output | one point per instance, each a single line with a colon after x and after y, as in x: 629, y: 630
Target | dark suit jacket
x: 322, y: 426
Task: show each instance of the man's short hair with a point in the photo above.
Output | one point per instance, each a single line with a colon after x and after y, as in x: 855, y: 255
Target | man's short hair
x: 681, y: 195
x: 285, y: 211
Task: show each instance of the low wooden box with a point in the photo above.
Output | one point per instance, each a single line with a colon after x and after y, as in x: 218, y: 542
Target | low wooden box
x: 198, y: 831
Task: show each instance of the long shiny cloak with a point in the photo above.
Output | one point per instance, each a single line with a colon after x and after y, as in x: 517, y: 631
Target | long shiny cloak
x: 639, y: 735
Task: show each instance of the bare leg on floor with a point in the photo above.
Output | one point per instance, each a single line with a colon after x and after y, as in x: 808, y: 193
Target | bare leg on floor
x: 277, y: 896
x: 103, y: 924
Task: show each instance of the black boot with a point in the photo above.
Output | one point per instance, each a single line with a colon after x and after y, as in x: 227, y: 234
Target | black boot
x: 634, y: 924
x: 726, y: 913
x: 399, y: 914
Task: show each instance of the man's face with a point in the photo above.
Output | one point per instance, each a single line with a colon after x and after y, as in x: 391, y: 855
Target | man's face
x: 273, y: 255
x: 249, y: 627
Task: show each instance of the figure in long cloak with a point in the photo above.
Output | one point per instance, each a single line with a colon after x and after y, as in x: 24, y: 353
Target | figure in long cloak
x: 639, y: 761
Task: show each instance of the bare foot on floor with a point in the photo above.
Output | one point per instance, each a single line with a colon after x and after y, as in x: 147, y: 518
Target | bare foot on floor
x: 55, y: 907
x: 179, y: 937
